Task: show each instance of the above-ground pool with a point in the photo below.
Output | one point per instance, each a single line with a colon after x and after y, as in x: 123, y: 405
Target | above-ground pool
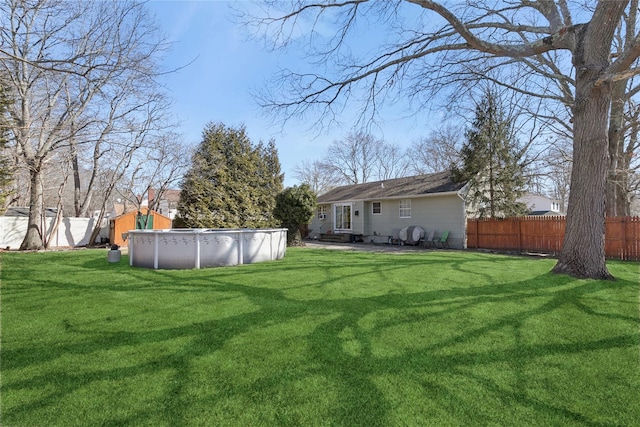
x: 202, y: 248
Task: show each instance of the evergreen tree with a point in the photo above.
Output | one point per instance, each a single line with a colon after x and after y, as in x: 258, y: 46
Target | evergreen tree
x: 491, y: 162
x: 269, y: 179
x: 232, y: 183
x: 295, y: 206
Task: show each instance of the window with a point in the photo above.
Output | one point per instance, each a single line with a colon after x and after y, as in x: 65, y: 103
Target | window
x: 322, y: 212
x: 405, y: 208
x: 376, y: 208
x: 342, y: 217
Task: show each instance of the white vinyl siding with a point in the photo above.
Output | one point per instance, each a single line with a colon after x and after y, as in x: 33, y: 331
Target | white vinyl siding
x: 437, y: 213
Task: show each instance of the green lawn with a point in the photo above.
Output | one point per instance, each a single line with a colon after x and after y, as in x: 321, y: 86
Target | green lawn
x: 319, y: 338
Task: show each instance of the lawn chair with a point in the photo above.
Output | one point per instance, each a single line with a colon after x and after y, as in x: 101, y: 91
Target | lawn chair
x: 428, y: 239
x: 395, y: 237
x: 442, y: 241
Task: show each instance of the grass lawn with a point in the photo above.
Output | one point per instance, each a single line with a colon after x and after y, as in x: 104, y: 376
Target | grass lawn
x: 322, y: 337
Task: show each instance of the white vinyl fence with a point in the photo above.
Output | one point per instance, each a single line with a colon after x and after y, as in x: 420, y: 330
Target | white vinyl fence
x: 71, y: 232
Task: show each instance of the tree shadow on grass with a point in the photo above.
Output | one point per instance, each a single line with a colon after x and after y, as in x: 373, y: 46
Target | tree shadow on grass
x: 345, y: 344
x: 449, y: 357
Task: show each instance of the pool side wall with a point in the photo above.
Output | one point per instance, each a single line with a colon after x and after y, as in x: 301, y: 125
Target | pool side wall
x: 203, y: 248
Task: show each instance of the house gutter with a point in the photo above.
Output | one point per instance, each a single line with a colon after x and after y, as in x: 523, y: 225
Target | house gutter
x: 413, y: 196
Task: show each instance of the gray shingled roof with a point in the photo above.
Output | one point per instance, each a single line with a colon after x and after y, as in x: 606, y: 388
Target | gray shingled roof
x: 411, y: 186
x: 24, y: 212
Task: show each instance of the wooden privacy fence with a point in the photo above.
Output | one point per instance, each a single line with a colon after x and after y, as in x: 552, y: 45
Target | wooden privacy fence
x: 546, y: 234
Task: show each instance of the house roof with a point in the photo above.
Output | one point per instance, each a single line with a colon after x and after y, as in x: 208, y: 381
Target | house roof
x: 172, y: 196
x: 545, y: 213
x: 411, y: 186
x: 121, y: 209
x: 24, y: 212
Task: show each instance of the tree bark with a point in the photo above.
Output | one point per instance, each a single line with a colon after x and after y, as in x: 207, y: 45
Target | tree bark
x: 77, y: 184
x: 33, y: 238
x: 616, y: 189
x: 616, y: 125
x: 583, y: 253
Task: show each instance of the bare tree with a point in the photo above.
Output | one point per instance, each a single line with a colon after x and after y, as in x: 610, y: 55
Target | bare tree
x: 624, y: 146
x: 358, y: 158
x: 438, y: 151
x: 542, y: 77
x: 59, y: 203
x: 441, y: 45
x: 353, y: 159
x: 147, y: 158
x: 159, y: 167
x: 558, y: 165
x: 133, y: 114
x: 62, y: 60
x: 623, y: 90
x: 314, y: 173
x: 392, y: 161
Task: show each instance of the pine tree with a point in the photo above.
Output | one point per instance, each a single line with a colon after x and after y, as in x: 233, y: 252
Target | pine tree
x: 491, y: 162
x: 269, y: 179
x: 231, y: 182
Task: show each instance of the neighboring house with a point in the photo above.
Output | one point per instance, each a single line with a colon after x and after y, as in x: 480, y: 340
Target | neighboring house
x: 372, y: 211
x: 168, y: 204
x: 118, y: 209
x: 541, y: 205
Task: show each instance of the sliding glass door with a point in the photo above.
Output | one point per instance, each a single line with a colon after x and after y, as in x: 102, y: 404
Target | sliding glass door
x: 342, y: 217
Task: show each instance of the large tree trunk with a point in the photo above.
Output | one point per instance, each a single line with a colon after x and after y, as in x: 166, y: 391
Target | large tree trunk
x: 33, y: 238
x: 77, y: 183
x: 582, y: 253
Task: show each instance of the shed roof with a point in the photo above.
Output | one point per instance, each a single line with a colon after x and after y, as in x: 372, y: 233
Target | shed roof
x: 135, y: 212
x: 411, y: 186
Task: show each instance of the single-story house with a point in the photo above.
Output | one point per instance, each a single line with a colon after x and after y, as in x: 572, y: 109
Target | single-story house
x: 372, y: 211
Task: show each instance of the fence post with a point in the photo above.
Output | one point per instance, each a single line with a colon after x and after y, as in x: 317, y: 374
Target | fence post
x: 477, y: 221
x: 625, y: 246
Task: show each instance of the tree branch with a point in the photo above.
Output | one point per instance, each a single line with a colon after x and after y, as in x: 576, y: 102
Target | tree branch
x: 561, y: 38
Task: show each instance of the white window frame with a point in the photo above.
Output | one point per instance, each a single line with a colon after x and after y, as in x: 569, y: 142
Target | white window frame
x: 373, y: 209
x: 321, y: 212
x: 405, y: 208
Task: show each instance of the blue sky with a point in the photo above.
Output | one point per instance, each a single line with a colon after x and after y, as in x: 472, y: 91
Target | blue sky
x: 226, y: 67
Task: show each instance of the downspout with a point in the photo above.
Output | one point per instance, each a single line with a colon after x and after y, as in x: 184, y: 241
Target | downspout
x: 462, y: 193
